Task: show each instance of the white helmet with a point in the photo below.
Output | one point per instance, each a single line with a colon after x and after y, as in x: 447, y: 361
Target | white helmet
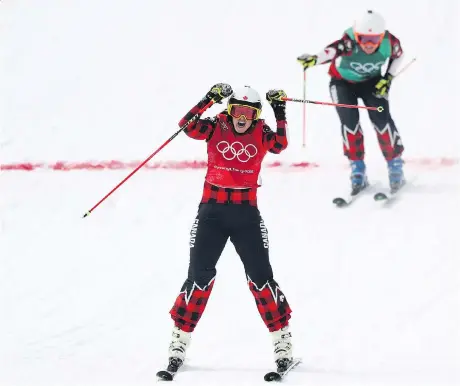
x: 246, y: 96
x: 371, y: 23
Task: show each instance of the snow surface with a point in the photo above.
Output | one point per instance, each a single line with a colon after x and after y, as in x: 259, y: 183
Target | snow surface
x: 375, y: 291
x: 84, y: 302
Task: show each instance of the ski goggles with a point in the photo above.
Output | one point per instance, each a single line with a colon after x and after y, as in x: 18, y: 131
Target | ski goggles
x: 369, y: 39
x: 250, y: 113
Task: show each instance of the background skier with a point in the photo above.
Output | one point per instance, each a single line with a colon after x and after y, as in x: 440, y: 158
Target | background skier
x: 358, y: 60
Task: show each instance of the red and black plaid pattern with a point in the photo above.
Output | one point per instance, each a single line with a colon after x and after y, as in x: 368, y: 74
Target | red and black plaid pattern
x: 217, y: 195
x: 396, y: 49
x: 200, y: 129
x: 353, y: 142
x: 389, y: 141
x: 190, y: 305
x: 332, y: 51
x: 275, y: 142
x: 271, y: 304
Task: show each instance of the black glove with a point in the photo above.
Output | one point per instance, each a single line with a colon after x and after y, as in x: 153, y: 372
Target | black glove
x: 218, y: 92
x: 274, y: 97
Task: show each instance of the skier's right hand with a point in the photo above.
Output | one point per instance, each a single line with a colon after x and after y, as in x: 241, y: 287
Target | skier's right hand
x: 307, y: 60
x: 219, y: 91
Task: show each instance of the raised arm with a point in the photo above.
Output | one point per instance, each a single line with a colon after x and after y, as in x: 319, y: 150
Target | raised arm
x: 276, y: 142
x: 202, y: 129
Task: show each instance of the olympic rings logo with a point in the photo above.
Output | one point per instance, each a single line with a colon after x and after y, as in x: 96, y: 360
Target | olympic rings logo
x: 236, y: 150
x: 366, y: 68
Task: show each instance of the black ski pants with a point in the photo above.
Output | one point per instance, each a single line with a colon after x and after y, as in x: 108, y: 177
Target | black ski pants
x: 214, y: 225
x: 344, y: 92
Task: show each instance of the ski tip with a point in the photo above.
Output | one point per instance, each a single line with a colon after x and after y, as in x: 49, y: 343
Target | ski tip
x: 380, y: 197
x: 340, y: 202
x: 272, y: 376
x: 277, y: 376
x: 165, y: 375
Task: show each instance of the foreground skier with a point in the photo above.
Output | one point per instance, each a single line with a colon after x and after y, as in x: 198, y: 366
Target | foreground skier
x: 237, y: 142
x: 356, y: 72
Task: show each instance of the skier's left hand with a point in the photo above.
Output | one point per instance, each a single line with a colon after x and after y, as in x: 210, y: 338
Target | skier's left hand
x: 383, y: 86
x: 274, y: 97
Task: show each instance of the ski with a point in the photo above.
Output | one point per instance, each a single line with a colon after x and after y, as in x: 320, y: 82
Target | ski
x: 345, y: 201
x: 165, y: 375
x: 281, y: 371
x: 173, y: 367
x: 386, y: 197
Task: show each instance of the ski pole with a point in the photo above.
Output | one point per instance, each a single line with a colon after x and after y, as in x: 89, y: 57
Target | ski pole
x: 304, y: 121
x: 183, y: 127
x: 405, y: 67
x: 379, y: 108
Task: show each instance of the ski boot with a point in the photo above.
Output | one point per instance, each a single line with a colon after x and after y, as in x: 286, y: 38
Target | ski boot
x: 177, y: 350
x: 395, y: 173
x: 358, y: 176
x: 282, y: 348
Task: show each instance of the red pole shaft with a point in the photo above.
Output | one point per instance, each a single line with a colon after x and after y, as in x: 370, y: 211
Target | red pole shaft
x: 196, y: 116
